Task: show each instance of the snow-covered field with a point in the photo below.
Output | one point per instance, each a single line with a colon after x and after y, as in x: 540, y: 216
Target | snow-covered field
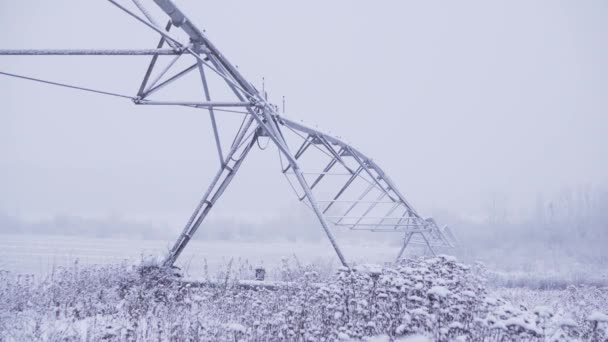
x: 38, y: 255
x: 424, y: 299
x: 83, y: 288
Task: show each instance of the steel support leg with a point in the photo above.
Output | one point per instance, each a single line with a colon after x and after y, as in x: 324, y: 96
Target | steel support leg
x: 428, y: 244
x: 277, y: 137
x: 216, y: 134
x: 317, y: 210
x: 210, y: 197
x: 406, y: 241
x: 300, y: 150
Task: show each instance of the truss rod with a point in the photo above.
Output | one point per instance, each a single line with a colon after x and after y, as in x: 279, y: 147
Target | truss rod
x: 386, y: 230
x: 420, y: 242
x: 371, y: 218
x: 376, y: 179
x: 344, y: 187
x: 151, y: 19
x: 371, y: 207
x: 331, y: 139
x: 337, y: 155
x: 302, y: 148
x: 196, y: 36
x: 136, y: 17
x: 217, y: 67
x: 317, y: 210
x: 388, y: 181
x: 353, y: 225
x: 406, y: 212
x: 347, y: 201
x: 89, y: 52
x: 300, y: 151
x: 296, y: 128
x: 206, y: 203
x: 302, y: 137
x: 428, y: 244
x: 65, y: 85
x: 219, y: 70
x: 144, y: 82
x: 166, y: 82
x: 196, y: 104
x: 180, y: 20
x: 211, y: 113
x: 326, y: 171
x: 162, y: 73
x: 362, y: 196
x: 439, y: 232
x: 390, y: 212
x: 406, y: 241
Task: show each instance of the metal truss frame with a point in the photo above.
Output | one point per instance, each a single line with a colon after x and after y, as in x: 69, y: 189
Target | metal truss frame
x: 366, y: 199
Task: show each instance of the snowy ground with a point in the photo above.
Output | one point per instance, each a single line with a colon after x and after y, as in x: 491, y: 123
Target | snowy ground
x: 422, y: 299
x: 569, y: 309
x: 39, y: 254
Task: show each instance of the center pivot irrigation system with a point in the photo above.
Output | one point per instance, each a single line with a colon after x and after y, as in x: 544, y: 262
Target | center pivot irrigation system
x: 343, y: 186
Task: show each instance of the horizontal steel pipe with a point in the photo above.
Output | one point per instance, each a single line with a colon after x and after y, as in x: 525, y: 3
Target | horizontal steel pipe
x: 195, y: 104
x: 89, y: 52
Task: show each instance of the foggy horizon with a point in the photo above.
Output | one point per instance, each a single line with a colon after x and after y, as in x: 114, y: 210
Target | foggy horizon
x: 460, y: 104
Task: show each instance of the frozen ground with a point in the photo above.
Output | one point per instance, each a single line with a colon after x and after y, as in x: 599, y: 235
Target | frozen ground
x: 511, y: 307
x: 39, y: 254
x: 422, y: 299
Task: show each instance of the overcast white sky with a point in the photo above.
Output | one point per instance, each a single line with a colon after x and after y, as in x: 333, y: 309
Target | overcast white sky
x: 456, y: 100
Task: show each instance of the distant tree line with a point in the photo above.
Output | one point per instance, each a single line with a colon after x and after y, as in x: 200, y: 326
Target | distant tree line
x: 292, y: 227
x: 576, y: 217
x: 562, y: 231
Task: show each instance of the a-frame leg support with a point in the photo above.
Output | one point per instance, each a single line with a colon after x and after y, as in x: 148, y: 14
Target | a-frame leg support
x: 406, y: 241
x: 428, y: 244
x: 315, y: 207
x: 217, y: 187
x: 274, y: 133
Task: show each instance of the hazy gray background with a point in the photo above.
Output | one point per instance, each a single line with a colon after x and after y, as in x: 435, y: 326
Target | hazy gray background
x: 464, y: 104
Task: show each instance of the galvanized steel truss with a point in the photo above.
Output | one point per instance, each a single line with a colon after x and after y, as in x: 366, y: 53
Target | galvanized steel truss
x: 343, y: 186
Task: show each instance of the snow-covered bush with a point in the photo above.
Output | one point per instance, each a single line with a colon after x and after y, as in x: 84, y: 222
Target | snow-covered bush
x: 435, y: 297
